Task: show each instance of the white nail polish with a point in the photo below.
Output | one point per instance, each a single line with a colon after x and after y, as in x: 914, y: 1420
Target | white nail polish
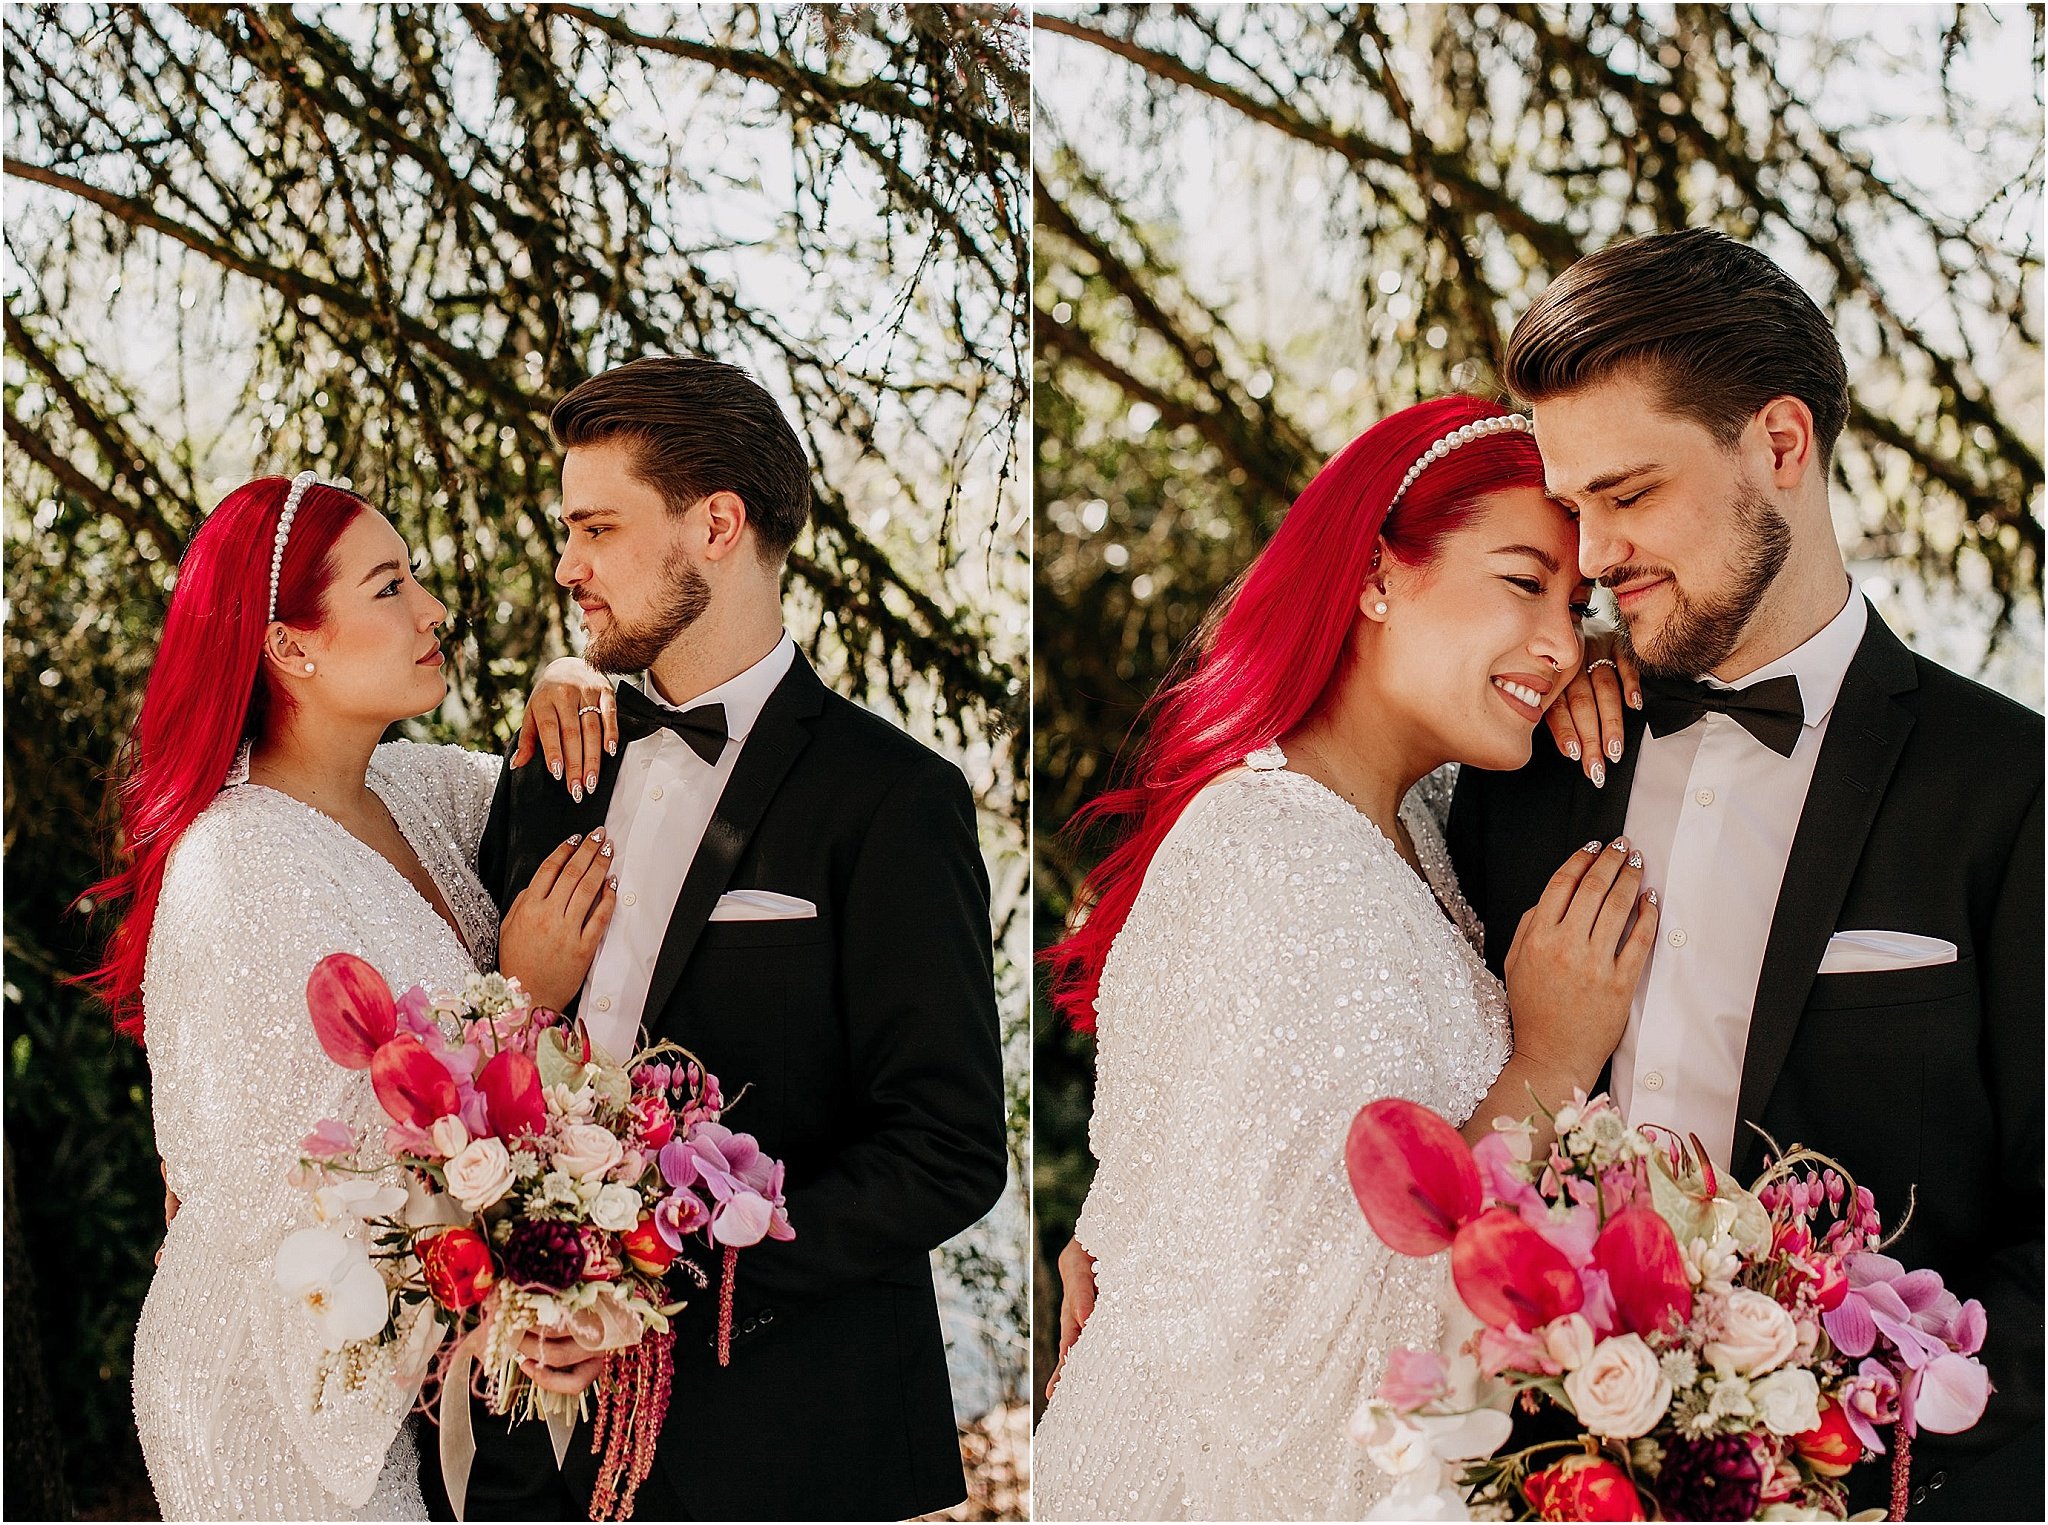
x: 1599, y: 775
x: 1571, y: 750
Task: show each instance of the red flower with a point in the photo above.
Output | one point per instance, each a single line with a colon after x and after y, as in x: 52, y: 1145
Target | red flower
x: 510, y: 1084
x: 413, y: 1086
x: 1412, y: 1174
x: 458, y: 1268
x: 657, y: 1123
x: 601, y: 1260
x: 646, y: 1248
x: 1831, y: 1447
x: 1831, y: 1283
x: 352, y: 1010
x: 1583, y: 1487
x: 1644, y: 1270
x: 1508, y: 1273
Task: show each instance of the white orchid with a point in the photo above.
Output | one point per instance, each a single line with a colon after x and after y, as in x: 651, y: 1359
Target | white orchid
x: 355, y: 1198
x: 332, y: 1277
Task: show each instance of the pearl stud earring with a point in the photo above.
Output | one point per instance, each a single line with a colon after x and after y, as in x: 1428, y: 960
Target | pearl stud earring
x: 1380, y: 607
x: 309, y: 667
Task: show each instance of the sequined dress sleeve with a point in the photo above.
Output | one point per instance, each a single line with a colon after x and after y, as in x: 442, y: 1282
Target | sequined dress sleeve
x: 226, y: 1369
x: 1281, y: 967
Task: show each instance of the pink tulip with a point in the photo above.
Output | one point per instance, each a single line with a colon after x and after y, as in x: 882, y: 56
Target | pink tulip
x: 352, y: 1010
x: 1645, y: 1271
x: 510, y: 1084
x: 411, y: 1083
x: 1507, y: 1273
x: 1412, y: 1174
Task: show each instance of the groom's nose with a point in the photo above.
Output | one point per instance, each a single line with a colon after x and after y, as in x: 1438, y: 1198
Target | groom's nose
x: 570, y: 570
x: 1600, y: 547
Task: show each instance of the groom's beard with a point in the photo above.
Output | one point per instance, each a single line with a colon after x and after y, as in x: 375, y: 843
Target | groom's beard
x: 1698, y: 636
x: 683, y: 597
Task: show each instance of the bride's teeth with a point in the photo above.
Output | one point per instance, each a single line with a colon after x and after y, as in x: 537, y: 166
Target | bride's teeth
x: 1528, y: 696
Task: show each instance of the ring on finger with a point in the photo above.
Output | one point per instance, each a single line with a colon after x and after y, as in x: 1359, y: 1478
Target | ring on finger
x: 1602, y: 662
x: 591, y: 709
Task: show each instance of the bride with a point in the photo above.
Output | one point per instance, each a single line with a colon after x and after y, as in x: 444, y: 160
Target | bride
x: 1277, y: 938
x: 295, y: 637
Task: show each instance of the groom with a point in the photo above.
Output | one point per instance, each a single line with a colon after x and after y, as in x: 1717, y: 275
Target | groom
x: 1847, y: 838
x: 802, y: 904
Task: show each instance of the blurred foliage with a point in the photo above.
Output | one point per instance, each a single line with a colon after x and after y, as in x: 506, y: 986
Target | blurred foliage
x: 379, y: 242
x: 1259, y: 229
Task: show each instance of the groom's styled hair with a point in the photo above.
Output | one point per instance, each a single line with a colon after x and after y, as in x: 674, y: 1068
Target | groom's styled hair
x: 698, y: 427
x: 1715, y: 326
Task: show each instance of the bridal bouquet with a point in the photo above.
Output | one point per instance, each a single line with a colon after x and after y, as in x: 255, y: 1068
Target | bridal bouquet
x: 1715, y: 1353
x: 550, y: 1189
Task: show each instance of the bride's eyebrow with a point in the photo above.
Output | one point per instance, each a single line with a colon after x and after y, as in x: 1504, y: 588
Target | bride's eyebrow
x: 382, y: 568
x: 1549, y: 561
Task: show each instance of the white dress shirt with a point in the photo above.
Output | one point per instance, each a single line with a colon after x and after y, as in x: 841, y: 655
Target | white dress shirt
x: 661, y: 802
x: 1713, y: 812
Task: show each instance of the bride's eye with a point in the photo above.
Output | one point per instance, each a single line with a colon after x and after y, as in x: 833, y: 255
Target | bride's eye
x: 390, y: 589
x: 1582, y: 611
x: 1528, y: 585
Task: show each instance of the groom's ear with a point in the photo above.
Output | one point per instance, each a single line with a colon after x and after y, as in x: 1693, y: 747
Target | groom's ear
x: 725, y: 523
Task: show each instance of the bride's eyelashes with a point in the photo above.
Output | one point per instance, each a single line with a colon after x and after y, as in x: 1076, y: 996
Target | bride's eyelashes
x: 1534, y: 588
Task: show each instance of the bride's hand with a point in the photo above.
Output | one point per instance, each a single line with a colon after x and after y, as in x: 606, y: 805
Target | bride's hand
x: 1573, y: 968
x: 557, y: 1364
x: 553, y: 929
x: 1077, y: 1301
x: 1585, y: 722
x: 573, y: 717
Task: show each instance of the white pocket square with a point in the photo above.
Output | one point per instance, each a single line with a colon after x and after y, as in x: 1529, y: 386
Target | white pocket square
x: 761, y: 905
x: 1868, y: 952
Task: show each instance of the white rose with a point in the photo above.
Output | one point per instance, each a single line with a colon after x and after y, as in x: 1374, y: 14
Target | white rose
x: 1620, y: 1393
x: 1755, y: 1335
x: 450, y: 1136
x: 587, y: 1150
x: 480, y: 1175
x: 1787, y: 1401
x: 616, y: 1208
x: 1569, y: 1341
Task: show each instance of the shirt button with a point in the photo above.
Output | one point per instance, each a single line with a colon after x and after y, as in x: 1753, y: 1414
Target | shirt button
x: 604, y: 1003
x: 1654, y: 1081
x: 1705, y: 796
x: 631, y: 898
x: 654, y: 793
x: 1677, y: 938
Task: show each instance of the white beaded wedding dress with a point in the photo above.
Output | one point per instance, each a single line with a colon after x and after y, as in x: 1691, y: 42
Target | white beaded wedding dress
x: 259, y: 889
x: 1282, y: 966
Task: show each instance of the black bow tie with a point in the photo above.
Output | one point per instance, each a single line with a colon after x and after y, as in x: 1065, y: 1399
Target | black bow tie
x: 703, y: 727
x: 1770, y: 711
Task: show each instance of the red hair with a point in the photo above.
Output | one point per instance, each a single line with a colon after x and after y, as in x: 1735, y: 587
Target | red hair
x: 206, y: 694
x: 1275, y: 645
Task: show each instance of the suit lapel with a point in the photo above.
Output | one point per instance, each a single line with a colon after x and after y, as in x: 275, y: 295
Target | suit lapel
x: 1866, y: 732
x: 778, y: 736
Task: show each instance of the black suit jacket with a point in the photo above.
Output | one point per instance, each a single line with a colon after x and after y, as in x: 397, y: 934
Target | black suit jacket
x: 1924, y: 815
x: 867, y: 1042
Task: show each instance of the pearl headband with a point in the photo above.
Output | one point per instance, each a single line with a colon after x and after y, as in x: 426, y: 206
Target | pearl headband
x: 300, y: 483
x: 1504, y: 423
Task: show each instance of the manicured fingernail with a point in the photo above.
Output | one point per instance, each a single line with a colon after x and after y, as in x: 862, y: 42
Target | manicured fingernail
x: 605, y: 851
x: 1652, y: 897
x: 576, y: 791
x: 611, y: 747
x: 1571, y: 750
x: 1635, y: 699
x: 590, y: 779
x: 1619, y: 844
x: 1635, y: 860
x: 612, y: 883
x: 555, y: 768
x: 1613, y: 751
x: 1594, y: 846
x: 1599, y: 775
x: 597, y: 835
x: 574, y: 839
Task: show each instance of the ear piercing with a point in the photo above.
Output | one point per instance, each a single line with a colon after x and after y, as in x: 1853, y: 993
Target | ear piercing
x: 1380, y: 607
x: 309, y: 667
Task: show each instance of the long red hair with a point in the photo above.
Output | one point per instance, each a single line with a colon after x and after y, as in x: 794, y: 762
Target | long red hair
x: 1275, y: 645
x: 207, y: 693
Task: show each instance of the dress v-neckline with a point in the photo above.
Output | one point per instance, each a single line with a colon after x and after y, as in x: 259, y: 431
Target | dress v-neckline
x: 370, y: 782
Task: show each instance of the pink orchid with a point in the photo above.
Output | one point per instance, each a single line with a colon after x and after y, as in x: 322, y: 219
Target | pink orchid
x: 1414, y: 1378
x: 679, y: 1214
x: 329, y: 1139
x: 1869, y: 1399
